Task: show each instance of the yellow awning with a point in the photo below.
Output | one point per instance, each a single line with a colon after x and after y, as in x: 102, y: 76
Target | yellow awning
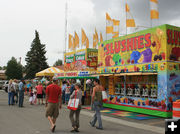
x: 49, y: 72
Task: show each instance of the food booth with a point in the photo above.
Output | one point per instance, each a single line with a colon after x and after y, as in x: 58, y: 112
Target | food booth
x: 80, y: 65
x: 141, y: 71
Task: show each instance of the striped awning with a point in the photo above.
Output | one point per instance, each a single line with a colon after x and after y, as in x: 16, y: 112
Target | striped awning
x: 49, y: 72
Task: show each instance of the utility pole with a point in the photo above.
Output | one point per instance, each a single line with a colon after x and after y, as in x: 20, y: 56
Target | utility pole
x: 65, y: 33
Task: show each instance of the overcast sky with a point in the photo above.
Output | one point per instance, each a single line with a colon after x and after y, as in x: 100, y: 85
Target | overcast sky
x: 20, y: 18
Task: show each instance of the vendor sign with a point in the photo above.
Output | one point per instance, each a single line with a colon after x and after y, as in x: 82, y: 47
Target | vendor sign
x: 173, y: 43
x: 141, y: 47
x: 69, y: 61
x: 92, y: 58
x: 80, y: 60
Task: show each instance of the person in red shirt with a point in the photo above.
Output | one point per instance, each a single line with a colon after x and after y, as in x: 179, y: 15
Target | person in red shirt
x: 39, y: 89
x: 53, y: 102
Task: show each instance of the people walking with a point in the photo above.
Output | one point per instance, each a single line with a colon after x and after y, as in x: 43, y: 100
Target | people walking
x: 39, y: 89
x: 72, y: 88
x: 53, y: 103
x: 77, y: 93
x: 21, y: 93
x: 97, y: 103
x: 64, y: 86
x: 16, y: 91
x: 67, y: 93
x: 10, y: 93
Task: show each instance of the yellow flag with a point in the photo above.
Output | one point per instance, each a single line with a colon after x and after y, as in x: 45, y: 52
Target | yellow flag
x: 76, y: 41
x: 96, y: 34
x: 101, y: 37
x: 108, y: 17
x: 154, y: 9
x: 87, y: 42
x: 83, y: 41
x: 94, y: 41
x: 127, y: 8
x: 130, y: 22
x: 109, y: 24
x: 71, y: 41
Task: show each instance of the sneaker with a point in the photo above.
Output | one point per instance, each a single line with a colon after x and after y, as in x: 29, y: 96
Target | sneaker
x: 99, y: 128
x: 77, y: 130
x: 91, y: 124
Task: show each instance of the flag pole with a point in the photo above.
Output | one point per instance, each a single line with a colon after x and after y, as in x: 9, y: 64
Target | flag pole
x: 126, y: 16
x: 66, y: 9
x: 106, y: 27
x: 150, y: 14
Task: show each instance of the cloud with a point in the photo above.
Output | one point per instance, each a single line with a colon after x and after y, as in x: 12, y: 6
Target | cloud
x: 19, y: 19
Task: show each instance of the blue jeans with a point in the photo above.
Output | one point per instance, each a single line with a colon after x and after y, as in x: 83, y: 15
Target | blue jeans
x: 21, y: 98
x: 97, y: 115
x: 67, y: 96
x: 10, y: 98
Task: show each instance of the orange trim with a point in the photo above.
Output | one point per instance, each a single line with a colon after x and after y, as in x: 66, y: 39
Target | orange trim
x: 176, y: 104
x: 176, y: 113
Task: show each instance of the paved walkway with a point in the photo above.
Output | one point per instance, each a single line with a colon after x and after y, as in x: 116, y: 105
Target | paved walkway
x: 31, y: 120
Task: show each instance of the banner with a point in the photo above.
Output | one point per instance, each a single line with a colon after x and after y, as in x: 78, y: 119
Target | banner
x: 142, y: 47
x: 69, y: 61
x: 92, y: 58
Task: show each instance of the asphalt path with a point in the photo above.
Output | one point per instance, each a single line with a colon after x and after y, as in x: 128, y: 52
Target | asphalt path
x: 31, y: 120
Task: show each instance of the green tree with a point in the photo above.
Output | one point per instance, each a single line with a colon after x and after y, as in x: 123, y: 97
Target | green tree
x: 14, y: 69
x: 58, y: 62
x: 35, y: 58
x: 1, y: 68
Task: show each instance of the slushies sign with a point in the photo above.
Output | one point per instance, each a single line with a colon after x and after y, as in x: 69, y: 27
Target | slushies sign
x: 70, y: 58
x: 80, y: 56
x: 130, y: 44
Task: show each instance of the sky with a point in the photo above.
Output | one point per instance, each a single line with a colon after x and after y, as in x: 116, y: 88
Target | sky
x: 20, y: 18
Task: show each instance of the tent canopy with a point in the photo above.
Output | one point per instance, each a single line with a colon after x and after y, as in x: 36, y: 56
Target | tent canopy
x: 49, y: 72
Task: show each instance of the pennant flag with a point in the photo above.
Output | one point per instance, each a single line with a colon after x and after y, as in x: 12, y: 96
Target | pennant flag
x: 154, y: 9
x: 129, y: 19
x: 83, y: 37
x: 76, y: 41
x: 109, y: 24
x: 94, y: 41
x: 87, y: 43
x: 115, y: 28
x: 96, y: 34
x: 85, y: 40
x: 101, y: 37
x: 71, y: 41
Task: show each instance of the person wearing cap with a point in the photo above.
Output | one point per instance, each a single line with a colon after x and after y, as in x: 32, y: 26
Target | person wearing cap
x: 53, y: 102
x: 77, y: 93
x: 21, y: 93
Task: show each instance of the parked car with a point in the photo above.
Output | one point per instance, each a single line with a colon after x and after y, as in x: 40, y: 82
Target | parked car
x: 1, y: 84
x: 5, y: 86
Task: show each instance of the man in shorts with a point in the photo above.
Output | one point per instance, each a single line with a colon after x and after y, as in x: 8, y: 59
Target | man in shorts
x: 53, y: 102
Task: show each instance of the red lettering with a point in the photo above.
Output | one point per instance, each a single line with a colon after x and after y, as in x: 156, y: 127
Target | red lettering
x: 148, y: 40
x: 123, y: 45
x: 140, y: 42
x: 117, y: 46
x: 107, y: 48
x: 176, y: 37
x: 169, y: 37
x: 135, y: 43
x: 112, y: 50
x: 179, y: 38
x: 129, y: 44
